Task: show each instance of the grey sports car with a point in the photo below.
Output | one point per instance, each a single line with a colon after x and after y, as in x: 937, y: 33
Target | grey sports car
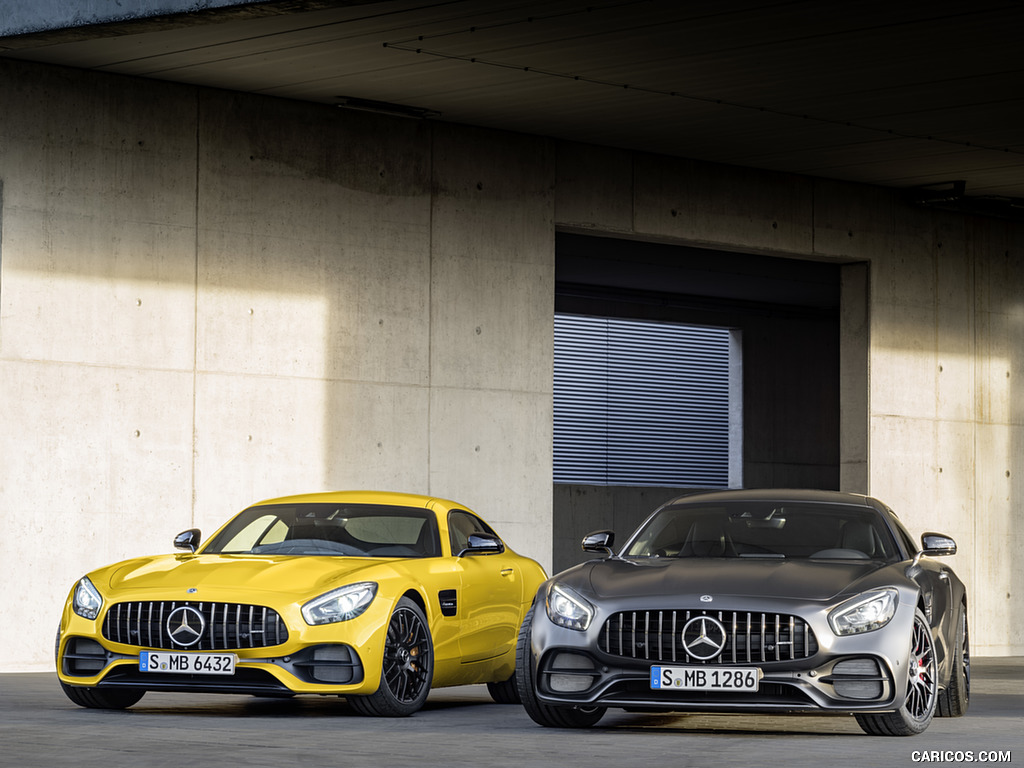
x: 754, y: 601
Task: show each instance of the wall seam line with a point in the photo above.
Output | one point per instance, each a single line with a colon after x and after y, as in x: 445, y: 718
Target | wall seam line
x: 195, y: 302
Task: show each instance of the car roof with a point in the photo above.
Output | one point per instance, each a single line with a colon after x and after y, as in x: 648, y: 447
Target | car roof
x: 390, y: 498
x: 792, y: 495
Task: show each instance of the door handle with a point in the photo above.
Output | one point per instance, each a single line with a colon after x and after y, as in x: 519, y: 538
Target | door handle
x: 507, y: 571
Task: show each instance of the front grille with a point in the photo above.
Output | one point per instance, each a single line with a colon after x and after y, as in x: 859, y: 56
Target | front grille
x: 749, y: 636
x: 226, y: 626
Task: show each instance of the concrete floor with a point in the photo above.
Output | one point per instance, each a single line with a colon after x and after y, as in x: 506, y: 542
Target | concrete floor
x: 462, y: 727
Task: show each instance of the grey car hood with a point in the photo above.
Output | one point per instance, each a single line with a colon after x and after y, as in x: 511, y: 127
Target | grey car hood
x: 743, y: 577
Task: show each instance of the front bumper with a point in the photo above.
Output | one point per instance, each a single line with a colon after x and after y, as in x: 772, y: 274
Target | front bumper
x: 341, y: 658
x: 842, y: 675
x: 324, y: 668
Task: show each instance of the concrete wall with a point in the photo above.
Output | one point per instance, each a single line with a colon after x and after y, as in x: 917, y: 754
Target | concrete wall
x: 208, y: 298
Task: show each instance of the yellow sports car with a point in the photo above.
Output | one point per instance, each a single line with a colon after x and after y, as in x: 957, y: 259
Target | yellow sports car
x: 373, y: 596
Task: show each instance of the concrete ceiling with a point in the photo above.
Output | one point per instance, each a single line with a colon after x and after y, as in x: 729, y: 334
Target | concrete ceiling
x: 899, y: 94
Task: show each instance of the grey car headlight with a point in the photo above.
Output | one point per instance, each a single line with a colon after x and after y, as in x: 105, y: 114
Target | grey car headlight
x: 86, y: 601
x: 340, y: 604
x: 567, y: 609
x: 865, y: 613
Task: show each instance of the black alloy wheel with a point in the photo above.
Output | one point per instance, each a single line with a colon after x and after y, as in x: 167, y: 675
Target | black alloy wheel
x: 407, y: 669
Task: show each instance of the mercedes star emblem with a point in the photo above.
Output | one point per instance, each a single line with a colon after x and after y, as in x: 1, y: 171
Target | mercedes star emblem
x: 703, y: 637
x: 185, y: 625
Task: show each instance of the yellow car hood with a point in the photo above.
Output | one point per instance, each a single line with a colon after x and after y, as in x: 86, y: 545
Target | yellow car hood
x: 282, y: 574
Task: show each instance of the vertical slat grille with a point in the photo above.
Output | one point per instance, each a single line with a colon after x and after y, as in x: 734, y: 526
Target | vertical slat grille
x: 661, y: 634
x: 227, y: 626
x: 640, y: 403
x: 670, y: 640
x: 751, y: 638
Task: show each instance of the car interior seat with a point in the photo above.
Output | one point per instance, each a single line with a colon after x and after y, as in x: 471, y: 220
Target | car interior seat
x: 707, y: 538
x: 858, y: 536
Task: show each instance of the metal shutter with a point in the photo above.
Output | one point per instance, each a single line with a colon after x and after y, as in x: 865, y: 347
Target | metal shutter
x: 640, y: 403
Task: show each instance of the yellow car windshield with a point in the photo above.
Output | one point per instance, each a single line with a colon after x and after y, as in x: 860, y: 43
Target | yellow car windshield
x: 347, y: 530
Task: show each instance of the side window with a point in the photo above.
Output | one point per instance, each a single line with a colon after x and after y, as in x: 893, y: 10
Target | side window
x: 907, y: 540
x: 461, y: 525
x: 267, y: 529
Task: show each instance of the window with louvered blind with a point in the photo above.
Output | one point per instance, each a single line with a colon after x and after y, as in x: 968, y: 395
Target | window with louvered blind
x: 640, y: 403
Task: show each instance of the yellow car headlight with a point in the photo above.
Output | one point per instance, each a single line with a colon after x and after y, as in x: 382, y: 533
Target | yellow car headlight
x: 340, y: 604
x: 87, y: 601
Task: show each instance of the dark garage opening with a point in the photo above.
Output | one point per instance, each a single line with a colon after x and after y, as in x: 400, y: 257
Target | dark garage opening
x: 786, y: 314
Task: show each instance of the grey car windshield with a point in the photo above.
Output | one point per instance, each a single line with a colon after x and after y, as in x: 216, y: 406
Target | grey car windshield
x: 766, y: 530
x: 353, y: 530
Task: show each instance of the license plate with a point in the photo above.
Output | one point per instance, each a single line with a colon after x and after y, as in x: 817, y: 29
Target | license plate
x: 725, y: 679
x: 187, y: 663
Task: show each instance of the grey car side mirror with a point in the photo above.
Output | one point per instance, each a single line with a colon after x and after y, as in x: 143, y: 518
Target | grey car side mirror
x: 938, y: 544
x: 599, y: 542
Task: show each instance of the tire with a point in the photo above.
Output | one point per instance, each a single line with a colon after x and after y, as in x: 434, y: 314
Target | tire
x: 505, y: 692
x: 544, y: 714
x: 922, y: 689
x: 102, y: 698
x: 956, y: 697
x: 407, y: 668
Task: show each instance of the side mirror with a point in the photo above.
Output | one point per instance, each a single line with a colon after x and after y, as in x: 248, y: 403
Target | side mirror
x: 188, y: 539
x: 483, y: 544
x: 599, y: 542
x: 937, y: 544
